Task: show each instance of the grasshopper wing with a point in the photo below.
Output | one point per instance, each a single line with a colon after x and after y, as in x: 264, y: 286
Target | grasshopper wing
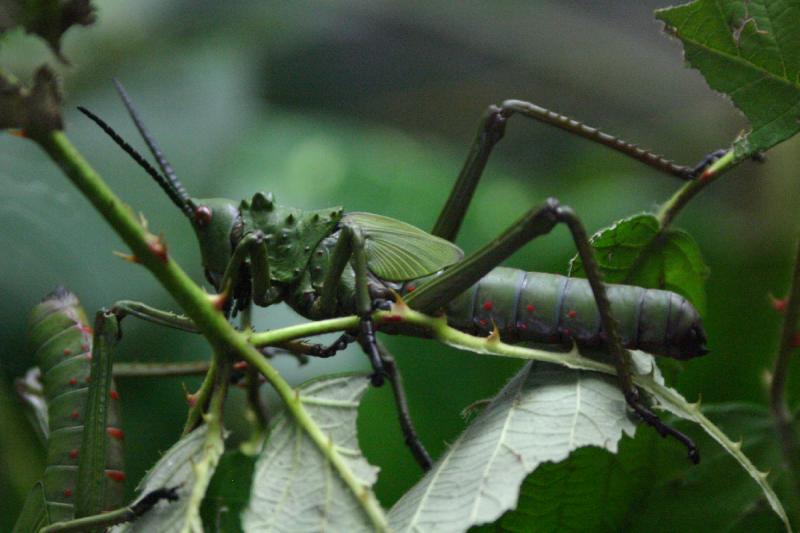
x: 397, y: 251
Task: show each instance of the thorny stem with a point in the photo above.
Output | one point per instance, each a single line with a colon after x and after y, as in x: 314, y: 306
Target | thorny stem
x: 150, y: 251
x: 110, y: 518
x: 200, y: 398
x: 777, y: 396
x: 678, y: 201
x: 203, y: 467
x: 160, y: 370
x: 256, y: 414
x: 279, y: 336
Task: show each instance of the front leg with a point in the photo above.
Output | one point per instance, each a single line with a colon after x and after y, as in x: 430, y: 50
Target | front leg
x: 253, y: 246
x: 350, y: 248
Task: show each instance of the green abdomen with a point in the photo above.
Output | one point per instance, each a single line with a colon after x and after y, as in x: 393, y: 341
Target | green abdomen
x: 548, y: 308
x: 61, y: 339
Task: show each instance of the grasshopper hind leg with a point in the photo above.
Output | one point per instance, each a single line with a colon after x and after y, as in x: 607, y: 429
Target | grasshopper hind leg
x: 437, y: 292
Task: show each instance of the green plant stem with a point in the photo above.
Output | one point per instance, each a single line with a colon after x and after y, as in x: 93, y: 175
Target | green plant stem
x: 197, y: 305
x: 278, y: 336
x: 214, y: 445
x: 200, y: 398
x: 160, y: 370
x: 670, y: 209
x: 256, y: 414
x: 102, y: 520
x: 777, y: 393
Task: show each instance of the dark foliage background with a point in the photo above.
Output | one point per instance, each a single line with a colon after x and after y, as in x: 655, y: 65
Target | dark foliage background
x: 373, y: 106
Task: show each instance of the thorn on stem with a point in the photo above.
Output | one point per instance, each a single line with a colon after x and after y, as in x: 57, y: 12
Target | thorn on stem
x: 779, y: 304
x: 191, y: 398
x: 158, y: 248
x: 400, y: 304
x: 494, y: 336
x: 218, y: 301
x: 127, y: 257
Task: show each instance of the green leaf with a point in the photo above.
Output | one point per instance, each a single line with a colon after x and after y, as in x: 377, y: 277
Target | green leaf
x: 750, y: 51
x: 592, y: 491
x: 646, y: 376
x: 297, y: 486
x: 679, y: 493
x: 228, y: 492
x: 630, y: 253
x: 544, y: 413
x: 670, y: 400
x: 188, y: 465
x: 34, y: 515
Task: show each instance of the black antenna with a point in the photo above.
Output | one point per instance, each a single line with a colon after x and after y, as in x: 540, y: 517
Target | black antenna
x: 182, y: 202
x: 166, y: 168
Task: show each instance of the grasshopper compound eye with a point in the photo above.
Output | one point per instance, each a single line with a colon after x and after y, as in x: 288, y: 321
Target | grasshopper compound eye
x: 202, y: 216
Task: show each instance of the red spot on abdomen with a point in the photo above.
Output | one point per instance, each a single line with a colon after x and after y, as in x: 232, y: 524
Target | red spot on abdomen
x: 86, y: 329
x: 487, y: 305
x: 114, y: 395
x: 572, y: 313
x: 115, y: 475
x: 73, y: 381
x: 530, y: 308
x: 115, y: 433
x: 67, y: 352
x: 73, y: 453
x: 74, y: 415
x: 68, y: 493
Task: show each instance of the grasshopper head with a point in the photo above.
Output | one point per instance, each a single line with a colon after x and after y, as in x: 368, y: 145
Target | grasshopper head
x: 214, y: 220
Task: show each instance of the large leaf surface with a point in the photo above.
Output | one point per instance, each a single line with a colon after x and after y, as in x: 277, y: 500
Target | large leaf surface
x: 646, y: 376
x: 297, y: 487
x: 188, y: 465
x: 592, y: 491
x: 228, y: 492
x: 678, y: 493
x: 670, y: 400
x: 542, y: 415
x: 632, y: 253
x: 750, y: 51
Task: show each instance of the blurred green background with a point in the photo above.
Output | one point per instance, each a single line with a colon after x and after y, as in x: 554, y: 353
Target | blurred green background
x: 373, y: 106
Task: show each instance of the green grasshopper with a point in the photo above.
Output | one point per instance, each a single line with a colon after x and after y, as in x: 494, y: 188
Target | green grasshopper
x: 84, y: 479
x: 329, y: 263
